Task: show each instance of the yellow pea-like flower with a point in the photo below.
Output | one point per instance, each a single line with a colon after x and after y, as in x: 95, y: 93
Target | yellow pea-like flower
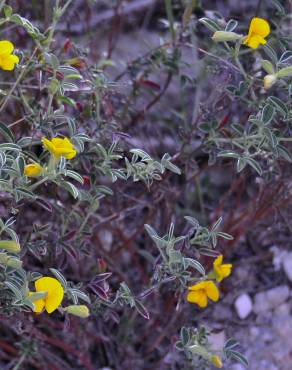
x: 199, y: 293
x: 7, y: 58
x: 59, y: 147
x: 221, y: 270
x: 216, y: 361
x: 259, y: 29
x: 55, y: 294
x: 33, y: 170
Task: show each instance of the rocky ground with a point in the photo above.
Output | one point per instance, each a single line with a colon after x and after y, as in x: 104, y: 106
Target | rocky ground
x: 261, y: 321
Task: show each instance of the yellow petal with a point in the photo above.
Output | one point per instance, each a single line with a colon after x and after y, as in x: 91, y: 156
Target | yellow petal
x: 60, y: 147
x: 212, y: 291
x: 38, y: 305
x: 33, y: 170
x: 8, y: 62
x: 198, y: 286
x: 226, y: 269
x: 6, y: 47
x: 218, y: 261
x: 198, y: 297
x: 57, y: 142
x: 48, y: 145
x: 254, y: 41
x: 55, y: 292
x: 217, y: 362
x: 260, y: 27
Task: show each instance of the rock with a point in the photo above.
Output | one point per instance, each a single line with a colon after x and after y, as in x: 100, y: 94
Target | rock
x: 287, y: 265
x: 278, y: 257
x: 283, y: 309
x: 243, y: 306
x: 222, y: 312
x: 237, y: 367
x: 283, y: 326
x: 106, y: 238
x: 217, y: 340
x: 271, y: 299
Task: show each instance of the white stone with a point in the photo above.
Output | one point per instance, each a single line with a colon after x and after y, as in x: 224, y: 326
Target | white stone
x: 265, y: 301
x: 287, y: 265
x: 243, y: 306
x: 217, y: 340
x: 237, y: 367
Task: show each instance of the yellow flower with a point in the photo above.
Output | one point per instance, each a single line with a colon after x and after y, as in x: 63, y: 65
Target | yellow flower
x: 55, y: 294
x: 199, y: 293
x: 259, y: 29
x: 33, y: 170
x: 216, y: 361
x: 7, y: 59
x: 60, y: 147
x: 221, y: 271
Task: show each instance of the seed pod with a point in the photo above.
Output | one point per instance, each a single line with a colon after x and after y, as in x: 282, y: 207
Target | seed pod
x: 10, y: 246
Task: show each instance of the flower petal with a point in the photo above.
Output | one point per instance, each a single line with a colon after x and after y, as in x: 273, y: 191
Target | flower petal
x: 33, y: 170
x: 8, y: 62
x: 6, y: 48
x: 198, y: 297
x: 55, y: 292
x: 260, y: 27
x: 212, y: 291
x: 218, y: 261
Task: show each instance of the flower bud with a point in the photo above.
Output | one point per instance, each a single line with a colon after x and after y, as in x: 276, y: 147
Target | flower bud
x: 10, y: 246
x: 222, y: 36
x: 269, y: 81
x: 78, y: 310
x: 10, y: 261
x: 216, y: 361
x: 14, y: 263
x: 33, y: 170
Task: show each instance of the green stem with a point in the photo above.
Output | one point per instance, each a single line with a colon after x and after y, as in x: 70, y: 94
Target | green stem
x: 58, y: 12
x: 170, y: 17
x: 20, y: 361
x: 21, y: 75
x: 34, y: 186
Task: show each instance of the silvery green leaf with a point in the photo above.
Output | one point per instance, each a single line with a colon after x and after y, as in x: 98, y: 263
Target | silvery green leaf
x: 268, y: 66
x: 241, y: 163
x: 231, y: 25
x: 279, y: 105
x: 254, y: 164
x: 195, y: 264
x: 268, y: 113
x: 74, y: 175
x: 6, y: 132
x: 71, y: 188
x: 210, y: 23
x: 59, y: 277
x: 9, y: 146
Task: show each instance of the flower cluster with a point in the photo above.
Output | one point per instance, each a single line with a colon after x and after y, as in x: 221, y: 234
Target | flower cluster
x: 58, y: 147
x: 199, y: 293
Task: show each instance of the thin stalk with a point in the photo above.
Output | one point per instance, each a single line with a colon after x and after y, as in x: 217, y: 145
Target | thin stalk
x: 34, y: 186
x: 170, y: 17
x: 21, y: 75
x: 20, y: 361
